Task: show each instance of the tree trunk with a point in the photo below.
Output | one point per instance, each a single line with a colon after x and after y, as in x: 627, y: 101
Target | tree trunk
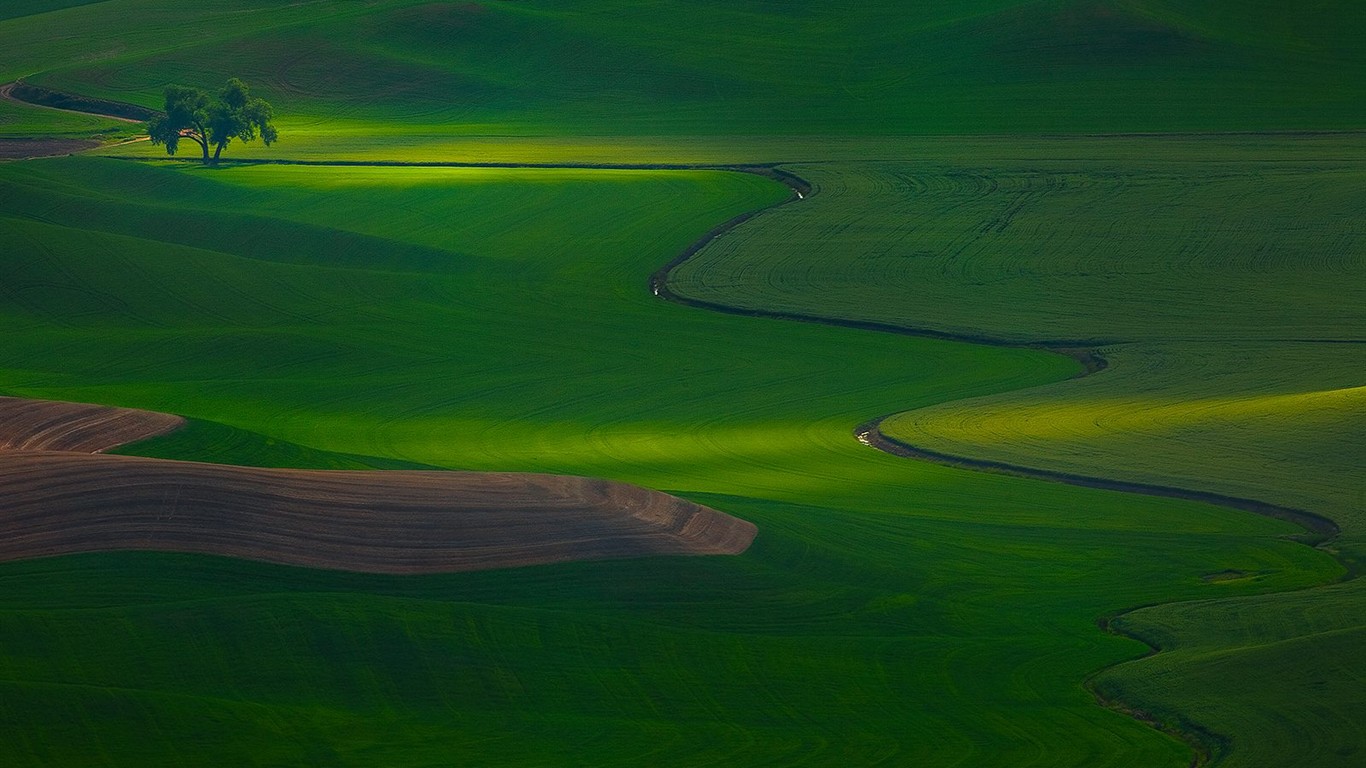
x: 217, y: 150
x: 202, y: 136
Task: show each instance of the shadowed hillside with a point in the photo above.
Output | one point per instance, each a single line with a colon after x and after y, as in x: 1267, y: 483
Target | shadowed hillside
x: 614, y: 67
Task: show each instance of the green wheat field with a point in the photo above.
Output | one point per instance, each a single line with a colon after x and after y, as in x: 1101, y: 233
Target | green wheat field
x: 454, y: 273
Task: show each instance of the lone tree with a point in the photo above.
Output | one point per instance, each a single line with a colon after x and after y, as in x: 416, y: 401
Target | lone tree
x: 192, y: 114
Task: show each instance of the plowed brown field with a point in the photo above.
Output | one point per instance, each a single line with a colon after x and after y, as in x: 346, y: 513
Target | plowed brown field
x: 49, y: 425
x: 58, y: 498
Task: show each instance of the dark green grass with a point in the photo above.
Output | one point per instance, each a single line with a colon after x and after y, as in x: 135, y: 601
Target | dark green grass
x: 1218, y: 239
x: 1224, y: 288
x: 504, y: 326
x: 888, y: 645
x: 16, y: 8
x: 674, y: 68
x: 1281, y: 673
x: 888, y: 611
x: 1232, y: 329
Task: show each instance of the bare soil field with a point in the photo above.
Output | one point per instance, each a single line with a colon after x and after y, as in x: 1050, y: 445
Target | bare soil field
x: 23, y: 149
x: 49, y: 425
x: 60, y: 498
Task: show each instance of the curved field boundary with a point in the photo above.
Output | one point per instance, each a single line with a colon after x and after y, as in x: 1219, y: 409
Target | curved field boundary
x: 869, y: 433
x: 1207, y: 746
x: 62, y: 497
x: 1081, y: 350
x: 50, y: 425
x: 1084, y: 351
x: 20, y: 92
x: 35, y: 96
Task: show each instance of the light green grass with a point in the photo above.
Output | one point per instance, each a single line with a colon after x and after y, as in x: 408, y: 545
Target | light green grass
x: 19, y: 120
x: 889, y: 610
x: 1273, y: 422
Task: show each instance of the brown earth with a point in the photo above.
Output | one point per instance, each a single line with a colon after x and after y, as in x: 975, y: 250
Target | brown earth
x: 29, y: 148
x: 49, y: 425
x: 23, y: 149
x: 58, y: 497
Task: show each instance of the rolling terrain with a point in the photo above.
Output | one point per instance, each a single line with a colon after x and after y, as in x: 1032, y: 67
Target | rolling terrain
x: 409, y: 352
x: 607, y: 67
x: 1234, y: 364
x: 980, y: 170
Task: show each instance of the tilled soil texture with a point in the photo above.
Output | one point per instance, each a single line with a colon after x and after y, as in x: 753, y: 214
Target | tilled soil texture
x: 60, y: 498
x: 50, y: 425
x: 23, y: 149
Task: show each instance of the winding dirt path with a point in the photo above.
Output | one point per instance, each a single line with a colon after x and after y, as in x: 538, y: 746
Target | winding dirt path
x: 58, y: 495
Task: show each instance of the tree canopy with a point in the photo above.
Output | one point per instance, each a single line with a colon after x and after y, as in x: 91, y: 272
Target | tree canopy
x: 212, y: 122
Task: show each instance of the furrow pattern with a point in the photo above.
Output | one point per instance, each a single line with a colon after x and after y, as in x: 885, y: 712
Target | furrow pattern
x: 60, y: 500
x: 46, y: 425
x: 377, y: 522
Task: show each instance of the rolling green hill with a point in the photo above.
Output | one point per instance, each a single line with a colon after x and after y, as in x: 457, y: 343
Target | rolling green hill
x: 1221, y: 279
x: 609, y: 67
x: 949, y: 614
x: 891, y: 612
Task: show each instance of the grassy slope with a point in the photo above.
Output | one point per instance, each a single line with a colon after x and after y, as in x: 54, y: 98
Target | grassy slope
x: 17, y: 8
x: 19, y: 120
x: 879, y: 594
x: 1209, y: 313
x: 1047, y: 246
x: 384, y: 79
x: 1226, y: 324
x: 421, y: 70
